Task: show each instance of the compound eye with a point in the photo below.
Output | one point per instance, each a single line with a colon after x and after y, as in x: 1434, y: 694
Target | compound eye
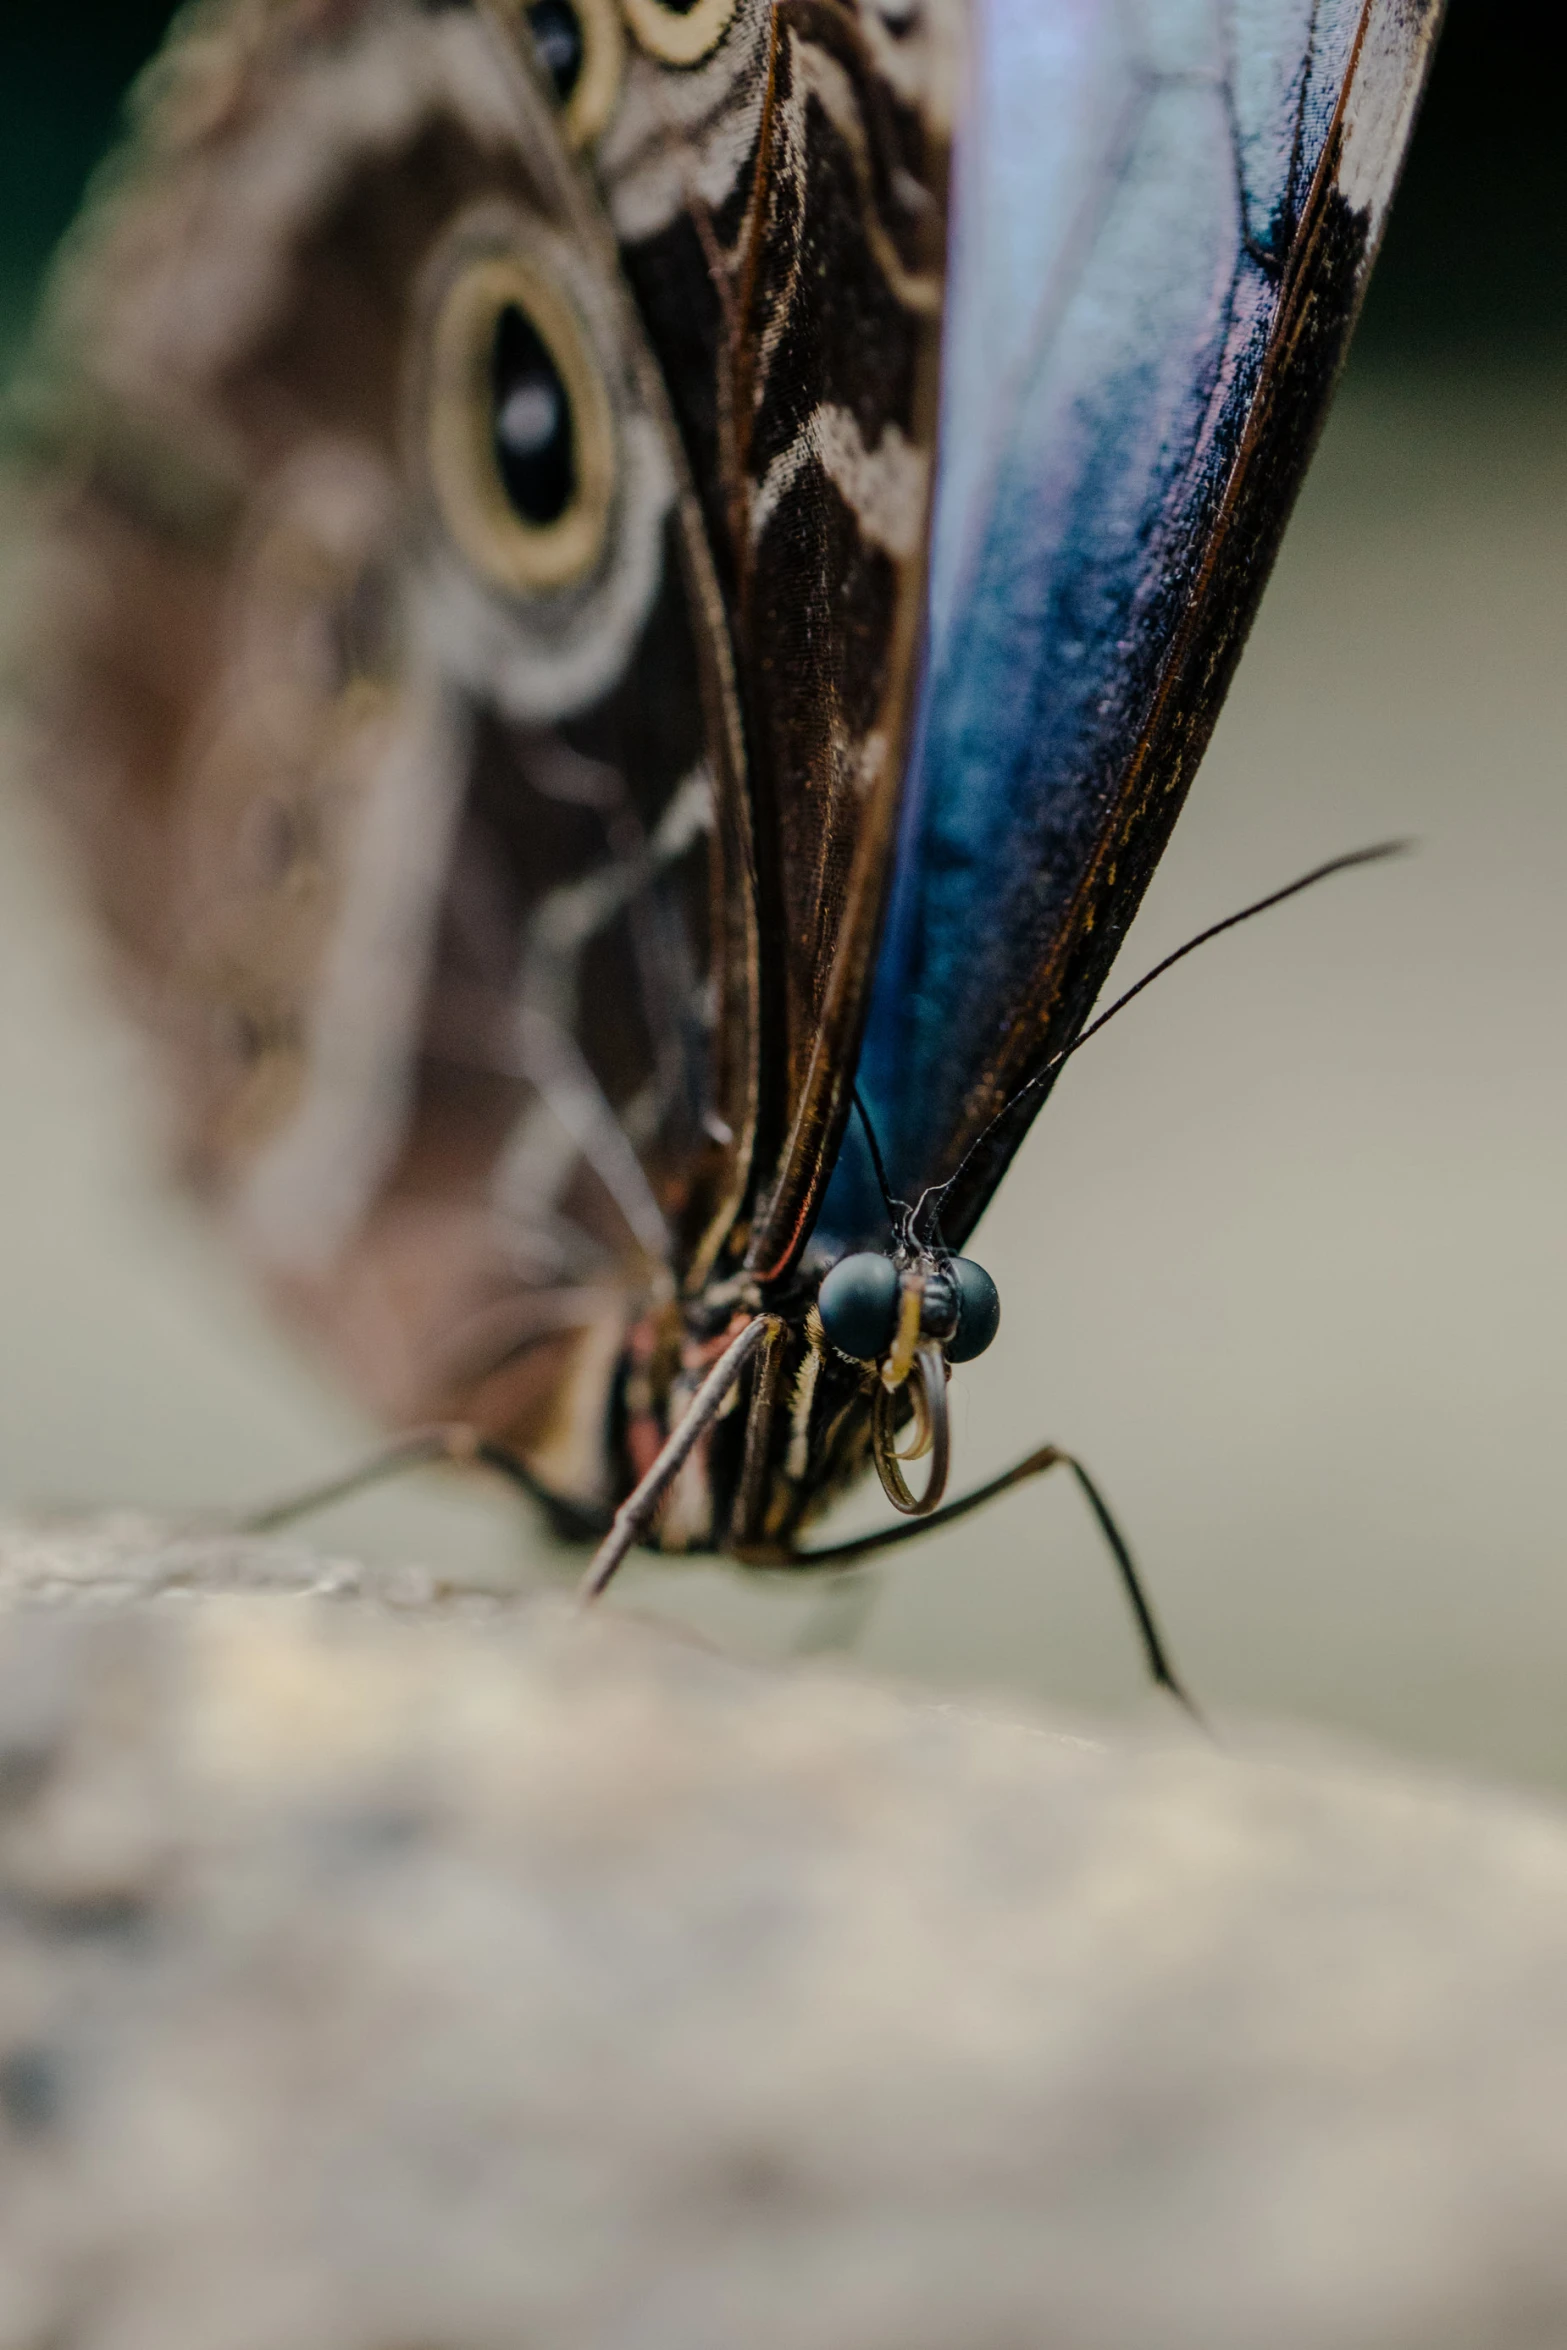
x: 979, y: 1310
x: 858, y: 1304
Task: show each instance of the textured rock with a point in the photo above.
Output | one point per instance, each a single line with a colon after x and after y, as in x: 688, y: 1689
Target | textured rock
x: 384, y: 1969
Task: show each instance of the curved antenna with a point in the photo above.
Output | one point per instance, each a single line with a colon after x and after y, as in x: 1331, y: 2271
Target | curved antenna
x: 891, y: 1205
x: 1276, y: 897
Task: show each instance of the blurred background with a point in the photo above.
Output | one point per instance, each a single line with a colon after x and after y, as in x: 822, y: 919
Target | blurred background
x: 1283, y: 1259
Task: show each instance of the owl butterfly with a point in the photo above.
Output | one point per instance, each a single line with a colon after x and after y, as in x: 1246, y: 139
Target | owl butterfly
x: 592, y: 569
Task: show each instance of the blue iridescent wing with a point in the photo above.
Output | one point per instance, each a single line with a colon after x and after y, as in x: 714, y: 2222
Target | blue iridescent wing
x: 1165, y: 214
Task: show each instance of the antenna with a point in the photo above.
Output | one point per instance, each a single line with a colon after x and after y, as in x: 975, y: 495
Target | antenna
x: 892, y: 1205
x: 1371, y: 856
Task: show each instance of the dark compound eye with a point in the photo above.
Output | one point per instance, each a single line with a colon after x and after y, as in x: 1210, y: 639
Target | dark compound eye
x: 858, y: 1304
x: 979, y: 1310
x: 535, y: 445
x: 557, y: 35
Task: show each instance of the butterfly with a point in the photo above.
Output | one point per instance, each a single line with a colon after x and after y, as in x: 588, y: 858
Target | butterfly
x: 621, y: 596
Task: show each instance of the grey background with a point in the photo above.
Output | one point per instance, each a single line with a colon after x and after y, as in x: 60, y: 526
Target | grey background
x: 1282, y: 1259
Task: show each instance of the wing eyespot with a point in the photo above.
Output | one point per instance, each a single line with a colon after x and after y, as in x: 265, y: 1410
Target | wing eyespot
x: 581, y: 47
x: 521, y: 433
x: 679, y: 32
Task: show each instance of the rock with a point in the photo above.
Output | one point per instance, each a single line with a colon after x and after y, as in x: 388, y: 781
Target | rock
x: 389, y: 1968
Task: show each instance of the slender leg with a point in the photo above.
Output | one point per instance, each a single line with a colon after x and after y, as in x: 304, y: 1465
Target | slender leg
x: 636, y: 1513
x: 455, y: 1443
x: 1049, y: 1456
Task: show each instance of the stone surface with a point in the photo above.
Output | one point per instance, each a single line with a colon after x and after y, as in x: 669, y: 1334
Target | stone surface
x: 388, y: 1968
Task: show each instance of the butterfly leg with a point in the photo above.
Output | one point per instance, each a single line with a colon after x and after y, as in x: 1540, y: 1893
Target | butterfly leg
x: 453, y: 1443
x: 1049, y: 1456
x: 636, y: 1514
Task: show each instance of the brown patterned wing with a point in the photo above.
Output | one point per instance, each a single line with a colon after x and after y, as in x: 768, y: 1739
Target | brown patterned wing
x: 373, y: 652
x: 776, y: 173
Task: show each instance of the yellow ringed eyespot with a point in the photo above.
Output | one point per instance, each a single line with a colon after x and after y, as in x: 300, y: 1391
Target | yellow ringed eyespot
x: 521, y: 436
x: 581, y: 45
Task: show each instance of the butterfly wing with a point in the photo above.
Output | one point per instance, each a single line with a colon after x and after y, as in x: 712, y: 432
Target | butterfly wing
x: 776, y: 172
x: 1139, y: 357
x: 373, y: 652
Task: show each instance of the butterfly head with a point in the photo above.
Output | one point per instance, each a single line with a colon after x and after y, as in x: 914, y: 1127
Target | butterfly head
x: 872, y: 1306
